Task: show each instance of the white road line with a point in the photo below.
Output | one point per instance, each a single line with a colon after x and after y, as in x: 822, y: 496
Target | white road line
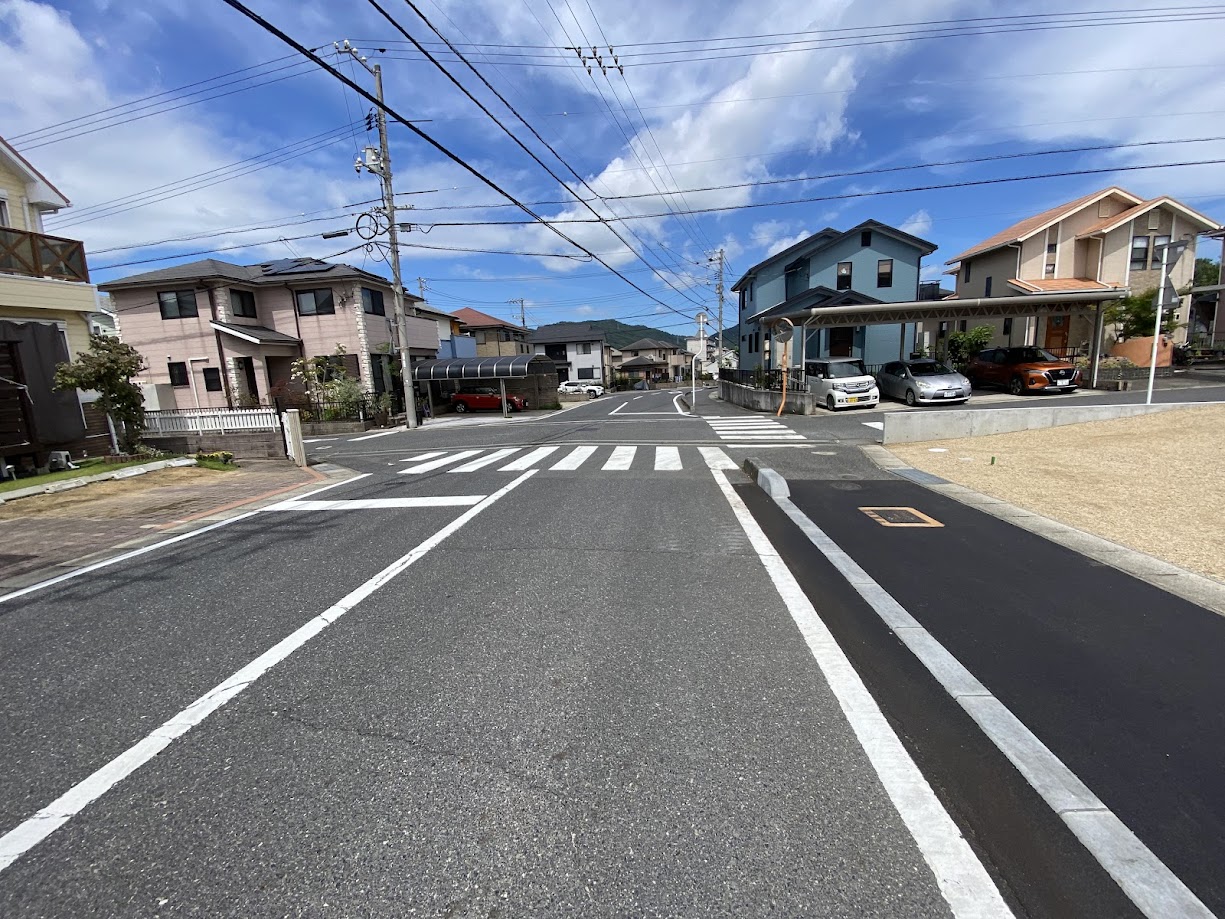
x: 398, y: 430
x: 438, y: 463
x: 144, y: 550
x: 528, y: 460
x: 577, y: 457
x: 423, y: 456
x: 760, y: 435
x: 879, y: 425
x: 374, y: 504
x: 961, y: 877
x: 676, y: 402
x: 636, y: 397
x: 34, y: 830
x: 1146, y: 880
x: 618, y: 408
x: 621, y: 459
x: 667, y: 459
x: 717, y: 459
x: 485, y: 460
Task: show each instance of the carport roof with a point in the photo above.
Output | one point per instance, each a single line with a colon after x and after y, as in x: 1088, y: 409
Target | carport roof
x: 483, y: 368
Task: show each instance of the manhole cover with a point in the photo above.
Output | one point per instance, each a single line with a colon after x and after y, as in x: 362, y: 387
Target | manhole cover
x: 900, y: 517
x: 846, y: 486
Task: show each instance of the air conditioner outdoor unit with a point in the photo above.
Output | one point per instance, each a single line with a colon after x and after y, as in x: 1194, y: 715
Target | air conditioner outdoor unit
x: 60, y: 460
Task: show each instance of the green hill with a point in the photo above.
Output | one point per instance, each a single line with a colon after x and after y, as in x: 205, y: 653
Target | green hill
x: 619, y: 334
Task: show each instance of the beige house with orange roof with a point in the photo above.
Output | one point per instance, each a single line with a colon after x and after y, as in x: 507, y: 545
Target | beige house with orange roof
x: 1105, y: 241
x: 494, y: 337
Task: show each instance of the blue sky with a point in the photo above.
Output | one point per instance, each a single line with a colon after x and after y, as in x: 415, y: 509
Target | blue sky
x: 702, y: 104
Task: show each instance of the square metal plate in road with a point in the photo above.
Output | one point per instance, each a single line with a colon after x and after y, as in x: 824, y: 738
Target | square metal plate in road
x: 900, y: 517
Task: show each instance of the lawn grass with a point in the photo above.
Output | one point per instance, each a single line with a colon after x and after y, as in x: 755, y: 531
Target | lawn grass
x: 91, y: 466
x: 216, y: 464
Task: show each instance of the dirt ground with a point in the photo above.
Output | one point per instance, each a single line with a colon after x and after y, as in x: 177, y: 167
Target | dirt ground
x: 110, y: 499
x: 1155, y: 483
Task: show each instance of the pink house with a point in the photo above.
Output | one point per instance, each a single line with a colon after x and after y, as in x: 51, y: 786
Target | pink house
x: 215, y: 334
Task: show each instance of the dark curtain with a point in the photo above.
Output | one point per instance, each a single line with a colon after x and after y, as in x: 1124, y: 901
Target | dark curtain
x: 40, y: 349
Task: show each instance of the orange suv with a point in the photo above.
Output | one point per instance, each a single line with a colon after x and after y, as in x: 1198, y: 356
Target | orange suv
x: 1022, y: 370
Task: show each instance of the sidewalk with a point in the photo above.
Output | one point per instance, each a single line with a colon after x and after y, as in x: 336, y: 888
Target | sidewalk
x: 63, y: 531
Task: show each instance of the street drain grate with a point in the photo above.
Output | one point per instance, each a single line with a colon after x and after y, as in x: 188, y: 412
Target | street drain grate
x: 900, y: 517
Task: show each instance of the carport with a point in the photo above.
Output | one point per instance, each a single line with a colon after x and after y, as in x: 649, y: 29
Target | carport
x: 1023, y: 305
x: 532, y: 375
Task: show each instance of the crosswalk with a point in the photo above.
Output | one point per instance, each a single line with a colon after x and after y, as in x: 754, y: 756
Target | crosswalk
x: 620, y: 458
x: 753, y: 428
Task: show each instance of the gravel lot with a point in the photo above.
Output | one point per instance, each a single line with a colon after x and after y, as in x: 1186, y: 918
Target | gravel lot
x: 1154, y: 483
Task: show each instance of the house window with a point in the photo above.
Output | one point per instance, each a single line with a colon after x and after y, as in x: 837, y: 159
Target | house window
x: 797, y: 278
x: 844, y: 275
x: 1049, y: 270
x: 865, y: 238
x: 986, y: 289
x: 1139, y: 253
x: 212, y: 379
x: 177, y: 304
x: 315, y: 302
x: 584, y: 348
x: 1008, y: 327
x: 1159, y: 241
x: 242, y: 303
x: 372, y: 302
x: 4, y: 213
x: 586, y: 373
x: 1050, y: 248
x: 963, y: 325
x: 965, y: 272
x: 884, y: 272
x: 943, y: 330
x: 178, y: 373
x: 481, y: 338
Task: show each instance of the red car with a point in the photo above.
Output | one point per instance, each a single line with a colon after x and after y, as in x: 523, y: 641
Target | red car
x: 478, y: 397
x: 1022, y: 370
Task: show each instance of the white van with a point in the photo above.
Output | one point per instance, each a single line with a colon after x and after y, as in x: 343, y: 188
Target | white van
x: 841, y: 382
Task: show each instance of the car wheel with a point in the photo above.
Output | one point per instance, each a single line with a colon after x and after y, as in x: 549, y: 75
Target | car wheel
x: 509, y: 406
x: 910, y: 399
x: 461, y: 407
x: 975, y: 382
x: 1016, y: 386
x: 830, y: 403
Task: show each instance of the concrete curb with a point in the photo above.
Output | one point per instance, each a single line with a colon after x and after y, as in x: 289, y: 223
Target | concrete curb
x: 767, y: 479
x: 69, y: 484
x: 1187, y: 585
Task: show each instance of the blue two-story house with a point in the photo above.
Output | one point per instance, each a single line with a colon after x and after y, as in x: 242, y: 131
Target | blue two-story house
x: 872, y: 263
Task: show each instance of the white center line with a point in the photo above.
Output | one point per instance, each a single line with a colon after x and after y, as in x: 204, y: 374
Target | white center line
x: 438, y: 463
x: 35, y: 829
x: 372, y: 504
x: 667, y: 459
x: 577, y: 457
x: 528, y: 460
x: 621, y: 459
x: 485, y: 460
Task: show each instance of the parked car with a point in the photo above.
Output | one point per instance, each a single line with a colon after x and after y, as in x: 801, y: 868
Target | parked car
x: 841, y: 382
x: 577, y: 386
x: 473, y: 398
x: 1022, y: 370
x: 922, y: 382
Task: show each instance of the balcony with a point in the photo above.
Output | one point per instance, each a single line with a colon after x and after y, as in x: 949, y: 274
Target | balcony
x: 34, y: 255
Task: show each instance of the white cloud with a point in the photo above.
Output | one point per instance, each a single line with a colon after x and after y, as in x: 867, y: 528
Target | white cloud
x: 786, y: 243
x: 917, y: 224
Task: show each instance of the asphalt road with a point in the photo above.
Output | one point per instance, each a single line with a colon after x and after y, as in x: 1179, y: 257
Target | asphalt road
x: 557, y: 665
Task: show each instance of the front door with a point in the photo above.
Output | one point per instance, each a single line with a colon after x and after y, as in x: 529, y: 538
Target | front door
x: 1057, y: 334
x: 841, y: 340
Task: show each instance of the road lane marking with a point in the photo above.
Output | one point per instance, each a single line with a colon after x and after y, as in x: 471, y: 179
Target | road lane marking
x: 485, y: 460
x: 620, y: 460
x: 528, y: 460
x: 961, y: 877
x: 372, y: 504
x: 900, y: 517
x: 879, y: 425
x: 667, y: 459
x: 676, y: 402
x: 438, y: 463
x: 717, y: 459
x: 577, y: 457
x: 400, y: 430
x: 144, y: 550
x: 1155, y: 890
x: 35, y: 829
x: 422, y: 456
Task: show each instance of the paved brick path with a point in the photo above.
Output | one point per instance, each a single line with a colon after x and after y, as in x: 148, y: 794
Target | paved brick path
x: 96, y: 521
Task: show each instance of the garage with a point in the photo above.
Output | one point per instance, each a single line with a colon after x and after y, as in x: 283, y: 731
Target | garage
x: 531, y: 377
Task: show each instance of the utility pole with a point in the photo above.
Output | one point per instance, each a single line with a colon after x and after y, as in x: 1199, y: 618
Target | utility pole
x: 522, y: 311
x: 380, y: 164
x: 421, y: 287
x: 718, y: 260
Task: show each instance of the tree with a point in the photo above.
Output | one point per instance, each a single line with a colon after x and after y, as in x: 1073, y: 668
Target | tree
x: 1206, y: 272
x: 962, y: 344
x: 107, y: 368
x: 1136, y: 315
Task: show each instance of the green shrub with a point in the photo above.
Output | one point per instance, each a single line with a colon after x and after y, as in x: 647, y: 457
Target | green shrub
x: 216, y: 458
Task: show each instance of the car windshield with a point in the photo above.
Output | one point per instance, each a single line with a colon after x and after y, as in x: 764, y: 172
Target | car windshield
x: 1029, y: 355
x: 842, y: 369
x: 929, y: 369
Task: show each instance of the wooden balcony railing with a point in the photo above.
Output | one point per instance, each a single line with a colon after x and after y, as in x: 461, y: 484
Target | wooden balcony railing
x: 37, y: 256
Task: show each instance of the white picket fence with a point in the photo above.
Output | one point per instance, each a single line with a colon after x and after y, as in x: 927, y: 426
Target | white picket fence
x: 211, y: 421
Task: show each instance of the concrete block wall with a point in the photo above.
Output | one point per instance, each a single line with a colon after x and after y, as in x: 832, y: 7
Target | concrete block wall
x: 253, y: 445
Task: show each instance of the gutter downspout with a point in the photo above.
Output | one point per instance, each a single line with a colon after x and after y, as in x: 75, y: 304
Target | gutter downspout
x: 1028, y: 319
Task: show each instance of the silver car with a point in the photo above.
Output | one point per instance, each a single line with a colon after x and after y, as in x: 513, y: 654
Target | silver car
x: 922, y: 381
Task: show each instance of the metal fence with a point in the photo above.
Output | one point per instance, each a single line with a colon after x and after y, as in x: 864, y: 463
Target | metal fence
x: 211, y: 421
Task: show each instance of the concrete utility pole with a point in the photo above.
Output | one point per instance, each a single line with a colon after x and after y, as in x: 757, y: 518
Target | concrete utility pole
x: 379, y: 162
x: 718, y: 260
x: 421, y: 287
x: 522, y: 311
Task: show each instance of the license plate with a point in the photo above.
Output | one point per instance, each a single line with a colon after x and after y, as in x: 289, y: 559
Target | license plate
x: 1063, y: 382
x: 951, y: 395
x: 852, y: 398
